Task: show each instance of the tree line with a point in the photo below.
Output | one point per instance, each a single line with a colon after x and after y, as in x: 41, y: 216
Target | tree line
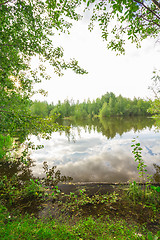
x: 106, y: 106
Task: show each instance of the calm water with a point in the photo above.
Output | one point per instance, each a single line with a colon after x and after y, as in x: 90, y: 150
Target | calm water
x: 99, y: 151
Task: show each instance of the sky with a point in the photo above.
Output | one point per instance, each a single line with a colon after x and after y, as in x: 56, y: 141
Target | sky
x: 129, y: 75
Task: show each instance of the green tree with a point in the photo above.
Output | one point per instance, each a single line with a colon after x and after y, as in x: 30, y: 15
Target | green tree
x: 66, y: 108
x: 80, y: 111
x: 104, y: 112
x: 27, y: 28
x: 142, y: 106
x: 55, y: 112
x: 111, y: 105
x: 119, y: 20
x: 5, y: 145
x: 120, y: 105
x: 40, y: 109
x: 106, y: 97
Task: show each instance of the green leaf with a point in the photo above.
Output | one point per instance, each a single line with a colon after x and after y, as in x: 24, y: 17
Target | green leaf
x: 137, y: 144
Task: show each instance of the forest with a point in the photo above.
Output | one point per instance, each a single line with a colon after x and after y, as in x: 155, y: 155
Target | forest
x: 107, y: 106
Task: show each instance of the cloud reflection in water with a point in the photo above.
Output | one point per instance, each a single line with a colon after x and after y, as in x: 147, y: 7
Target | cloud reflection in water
x: 93, y: 158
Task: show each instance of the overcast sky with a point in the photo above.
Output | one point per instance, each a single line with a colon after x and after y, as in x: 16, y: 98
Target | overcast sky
x: 128, y: 75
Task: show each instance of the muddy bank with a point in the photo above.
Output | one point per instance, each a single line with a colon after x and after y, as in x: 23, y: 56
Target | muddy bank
x: 95, y: 188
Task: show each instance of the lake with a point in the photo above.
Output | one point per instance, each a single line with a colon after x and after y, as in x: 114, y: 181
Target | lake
x: 100, y: 150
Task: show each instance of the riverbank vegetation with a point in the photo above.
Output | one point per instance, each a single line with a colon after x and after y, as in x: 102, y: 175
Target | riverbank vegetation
x: 29, y: 227
x: 37, y: 209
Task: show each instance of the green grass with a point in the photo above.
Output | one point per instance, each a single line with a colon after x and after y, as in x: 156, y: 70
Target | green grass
x: 125, y: 215
x: 130, y: 212
x: 28, y: 227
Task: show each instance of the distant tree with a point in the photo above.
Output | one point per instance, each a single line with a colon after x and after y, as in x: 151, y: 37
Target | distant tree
x: 95, y: 107
x: 142, y: 106
x: 120, y: 105
x: 111, y: 105
x: 66, y: 108
x: 104, y: 112
x: 55, y: 112
x: 106, y: 97
x: 40, y: 109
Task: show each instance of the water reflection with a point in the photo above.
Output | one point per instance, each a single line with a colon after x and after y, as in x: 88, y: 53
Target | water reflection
x: 119, y: 126
x: 101, y: 151
x: 106, y: 167
x: 11, y: 168
x: 110, y: 127
x: 156, y: 176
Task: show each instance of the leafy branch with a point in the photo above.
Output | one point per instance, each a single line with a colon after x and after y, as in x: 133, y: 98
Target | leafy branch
x: 137, y: 151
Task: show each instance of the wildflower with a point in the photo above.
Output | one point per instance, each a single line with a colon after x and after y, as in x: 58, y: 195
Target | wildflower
x: 138, y: 234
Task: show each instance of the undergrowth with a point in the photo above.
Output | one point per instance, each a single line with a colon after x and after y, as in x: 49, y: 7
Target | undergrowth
x: 28, y: 227
x: 79, y: 216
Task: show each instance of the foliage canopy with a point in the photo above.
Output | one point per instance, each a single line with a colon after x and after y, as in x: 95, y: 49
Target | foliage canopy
x: 120, y: 20
x: 27, y: 27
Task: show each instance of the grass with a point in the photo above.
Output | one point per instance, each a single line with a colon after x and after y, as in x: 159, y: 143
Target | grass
x: 125, y: 213
x: 28, y: 227
x: 79, y: 216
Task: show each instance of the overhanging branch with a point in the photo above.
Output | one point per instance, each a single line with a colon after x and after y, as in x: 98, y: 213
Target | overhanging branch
x: 150, y: 10
x: 156, y: 3
x: 4, y: 2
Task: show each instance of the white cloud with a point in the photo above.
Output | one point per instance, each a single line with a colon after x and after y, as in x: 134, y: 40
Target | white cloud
x: 93, y: 157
